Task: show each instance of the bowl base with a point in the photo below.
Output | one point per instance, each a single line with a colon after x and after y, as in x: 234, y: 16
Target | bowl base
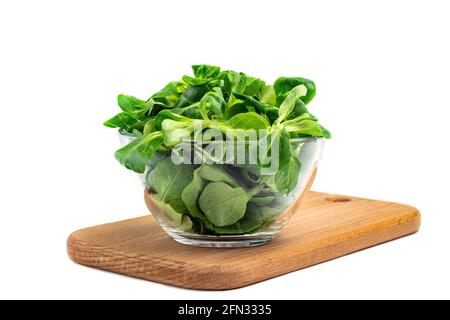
x: 223, y: 241
x: 229, y: 243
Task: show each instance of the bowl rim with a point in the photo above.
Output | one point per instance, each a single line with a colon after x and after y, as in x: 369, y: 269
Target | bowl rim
x: 295, y: 140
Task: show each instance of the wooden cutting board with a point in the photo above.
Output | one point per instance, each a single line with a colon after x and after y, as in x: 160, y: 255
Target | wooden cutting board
x: 326, y: 227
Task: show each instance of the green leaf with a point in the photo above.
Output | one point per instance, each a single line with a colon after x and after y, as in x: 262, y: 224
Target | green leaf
x: 194, y: 81
x: 296, y: 120
x: 299, y: 109
x: 262, y: 213
x: 136, y: 133
x: 246, y: 225
x: 212, y: 105
x: 191, y: 193
x: 262, y: 200
x: 217, y: 173
x: 287, y: 177
x: 149, y: 127
x: 284, y: 149
x: 285, y: 84
x: 155, y: 159
x: 203, y: 74
x: 175, y: 132
x: 138, y: 152
x: 190, y: 197
x: 167, y: 114
x: 204, y: 71
x: 178, y: 205
x: 268, y: 183
x: 173, y: 88
x: 260, y: 107
x: 133, y: 106
x: 288, y: 104
x: 168, y: 96
x: 192, y: 111
x: 326, y: 133
x: 250, y: 174
x: 278, y: 148
x: 235, y: 109
x: 169, y: 180
x: 253, y: 86
x: 233, y: 81
x: 191, y: 95
x: 222, y: 204
x: 255, y: 217
x: 249, y: 120
x: 272, y: 114
x: 308, y: 127
x: 179, y: 219
x: 123, y: 121
x: 268, y: 95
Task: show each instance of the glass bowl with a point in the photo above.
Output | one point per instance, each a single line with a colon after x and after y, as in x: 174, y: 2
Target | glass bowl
x: 200, y: 201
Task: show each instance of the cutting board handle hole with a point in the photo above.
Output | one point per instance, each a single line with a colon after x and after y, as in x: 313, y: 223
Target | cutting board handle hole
x: 338, y: 199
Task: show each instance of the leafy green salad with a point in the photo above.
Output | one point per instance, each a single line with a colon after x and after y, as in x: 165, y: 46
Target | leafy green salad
x: 204, y: 190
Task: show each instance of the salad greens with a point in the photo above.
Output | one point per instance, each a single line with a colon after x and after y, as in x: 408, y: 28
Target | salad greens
x: 211, y: 196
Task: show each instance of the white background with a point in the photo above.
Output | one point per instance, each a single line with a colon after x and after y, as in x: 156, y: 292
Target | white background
x: 382, y: 70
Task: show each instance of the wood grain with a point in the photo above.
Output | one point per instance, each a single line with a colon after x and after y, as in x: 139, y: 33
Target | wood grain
x: 326, y: 227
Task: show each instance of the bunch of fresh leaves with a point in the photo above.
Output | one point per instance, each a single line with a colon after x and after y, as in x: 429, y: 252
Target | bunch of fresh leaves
x: 218, y: 198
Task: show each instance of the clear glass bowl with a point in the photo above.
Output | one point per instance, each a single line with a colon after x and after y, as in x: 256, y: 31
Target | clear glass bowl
x: 237, y: 194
